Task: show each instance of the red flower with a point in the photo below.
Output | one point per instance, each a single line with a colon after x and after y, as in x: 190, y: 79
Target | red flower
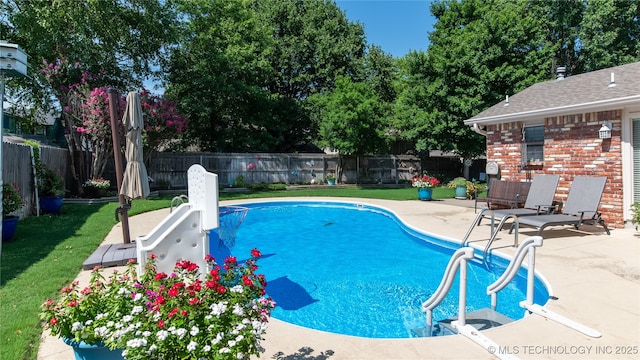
x: 172, y: 312
x: 73, y: 303
x: 173, y: 292
x: 161, y: 324
x: 160, y: 276
x: 53, y: 321
x: 247, y: 281
x: 255, y: 253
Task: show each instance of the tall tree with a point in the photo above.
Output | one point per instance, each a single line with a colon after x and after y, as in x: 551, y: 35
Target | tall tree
x: 610, y: 33
x: 479, y: 52
x: 351, y: 118
x: 313, y: 43
x: 219, y: 72
x: 102, y: 43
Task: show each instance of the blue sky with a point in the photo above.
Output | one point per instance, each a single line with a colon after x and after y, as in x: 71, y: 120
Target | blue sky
x: 397, y: 26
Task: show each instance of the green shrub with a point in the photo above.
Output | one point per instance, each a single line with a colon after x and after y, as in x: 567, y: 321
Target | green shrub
x: 635, y: 208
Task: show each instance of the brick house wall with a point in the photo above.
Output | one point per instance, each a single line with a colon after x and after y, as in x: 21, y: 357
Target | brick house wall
x: 571, y: 148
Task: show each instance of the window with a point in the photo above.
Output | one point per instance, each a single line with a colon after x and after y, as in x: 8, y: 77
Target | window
x: 533, y: 146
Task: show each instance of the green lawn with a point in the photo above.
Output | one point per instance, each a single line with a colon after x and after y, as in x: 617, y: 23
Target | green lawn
x: 48, y: 251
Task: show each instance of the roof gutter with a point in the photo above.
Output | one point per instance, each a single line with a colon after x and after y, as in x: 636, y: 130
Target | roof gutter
x: 555, y: 111
x: 477, y: 129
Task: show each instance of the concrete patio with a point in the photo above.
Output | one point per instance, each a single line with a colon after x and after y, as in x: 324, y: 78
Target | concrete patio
x: 595, y: 277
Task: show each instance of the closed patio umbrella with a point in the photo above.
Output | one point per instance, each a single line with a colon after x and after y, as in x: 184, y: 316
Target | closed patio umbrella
x: 135, y: 182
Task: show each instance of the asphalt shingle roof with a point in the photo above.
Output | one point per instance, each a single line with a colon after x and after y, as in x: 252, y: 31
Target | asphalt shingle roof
x: 579, y: 92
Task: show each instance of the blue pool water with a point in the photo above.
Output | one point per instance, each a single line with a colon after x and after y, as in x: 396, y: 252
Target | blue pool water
x: 358, y: 270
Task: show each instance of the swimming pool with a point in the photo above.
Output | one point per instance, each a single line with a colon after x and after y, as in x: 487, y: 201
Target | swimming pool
x: 356, y: 269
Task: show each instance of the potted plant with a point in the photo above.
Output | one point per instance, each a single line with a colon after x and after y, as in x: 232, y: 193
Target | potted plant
x: 191, y: 313
x: 425, y: 184
x: 460, y: 184
x: 96, y: 188
x: 331, y: 179
x: 11, y: 202
x: 50, y: 189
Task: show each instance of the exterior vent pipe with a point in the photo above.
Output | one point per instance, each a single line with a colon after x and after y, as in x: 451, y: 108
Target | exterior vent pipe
x: 560, y: 72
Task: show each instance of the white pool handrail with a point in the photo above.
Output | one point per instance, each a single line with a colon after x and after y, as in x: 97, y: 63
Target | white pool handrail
x: 527, y: 247
x: 458, y: 260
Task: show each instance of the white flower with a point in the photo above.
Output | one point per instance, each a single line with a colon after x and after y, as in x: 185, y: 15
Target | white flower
x: 137, y: 297
x: 162, y: 334
x: 123, y: 291
x: 237, y: 289
x: 219, y: 308
x: 137, y: 309
x: 152, y: 348
x: 194, y: 331
x: 237, y: 310
x: 134, y: 343
x: 217, y: 339
x: 231, y: 343
x: 127, y: 318
x: 239, y: 338
x: 192, y: 346
x: 224, y: 350
x: 206, y: 348
x: 77, y: 326
x: 181, y: 333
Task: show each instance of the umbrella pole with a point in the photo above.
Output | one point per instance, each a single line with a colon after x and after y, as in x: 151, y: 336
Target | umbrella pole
x: 117, y: 155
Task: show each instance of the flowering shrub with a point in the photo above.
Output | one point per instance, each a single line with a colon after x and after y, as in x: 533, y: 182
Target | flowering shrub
x: 84, y: 101
x: 424, y: 181
x: 50, y: 183
x: 98, y: 183
x: 11, y: 199
x: 183, y: 315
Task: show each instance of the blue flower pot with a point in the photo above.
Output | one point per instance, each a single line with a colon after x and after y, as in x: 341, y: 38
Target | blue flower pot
x: 461, y: 192
x: 425, y: 193
x: 84, y: 351
x: 51, y: 204
x: 9, y: 226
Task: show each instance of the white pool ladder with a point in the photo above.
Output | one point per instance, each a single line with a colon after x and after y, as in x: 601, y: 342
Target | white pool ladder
x: 183, y: 234
x: 459, y: 260
x: 527, y: 247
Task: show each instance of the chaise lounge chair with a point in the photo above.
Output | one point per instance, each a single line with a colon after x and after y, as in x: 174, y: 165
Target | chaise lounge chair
x: 581, y: 207
x: 539, y: 200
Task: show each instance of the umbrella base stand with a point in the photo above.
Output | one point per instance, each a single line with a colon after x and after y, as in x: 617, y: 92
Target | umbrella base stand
x: 109, y: 255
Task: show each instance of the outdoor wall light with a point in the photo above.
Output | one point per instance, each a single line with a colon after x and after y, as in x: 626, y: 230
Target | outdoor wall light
x: 605, y: 131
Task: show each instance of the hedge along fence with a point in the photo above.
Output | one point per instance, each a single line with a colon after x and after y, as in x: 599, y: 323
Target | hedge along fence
x: 169, y: 170
x: 17, y: 169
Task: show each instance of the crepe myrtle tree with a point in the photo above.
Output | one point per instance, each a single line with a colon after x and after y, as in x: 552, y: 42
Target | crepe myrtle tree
x: 163, y: 124
x: 84, y: 103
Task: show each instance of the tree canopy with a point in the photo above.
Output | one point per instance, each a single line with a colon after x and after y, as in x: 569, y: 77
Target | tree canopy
x: 271, y: 75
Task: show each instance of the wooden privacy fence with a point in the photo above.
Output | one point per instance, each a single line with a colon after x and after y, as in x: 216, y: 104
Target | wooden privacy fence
x: 169, y: 170
x: 17, y: 169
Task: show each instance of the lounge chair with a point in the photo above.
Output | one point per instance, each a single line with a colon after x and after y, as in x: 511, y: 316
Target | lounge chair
x: 581, y: 206
x: 539, y: 199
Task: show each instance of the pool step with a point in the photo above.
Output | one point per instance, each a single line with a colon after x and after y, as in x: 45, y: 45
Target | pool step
x: 482, y: 319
